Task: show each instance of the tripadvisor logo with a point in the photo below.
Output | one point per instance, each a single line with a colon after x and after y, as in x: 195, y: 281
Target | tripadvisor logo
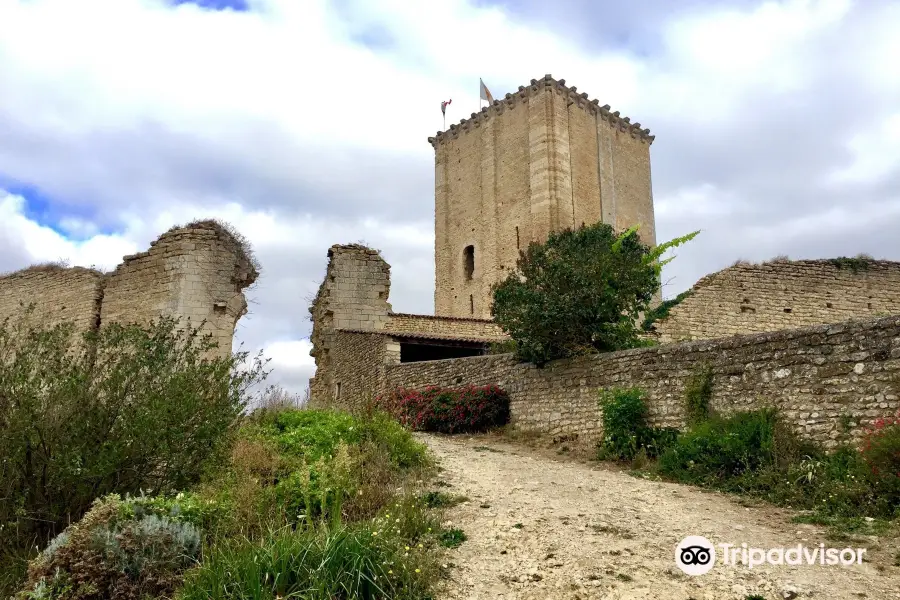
x: 696, y: 555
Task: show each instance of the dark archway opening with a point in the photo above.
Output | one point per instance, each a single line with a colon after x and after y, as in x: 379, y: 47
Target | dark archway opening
x: 469, y: 262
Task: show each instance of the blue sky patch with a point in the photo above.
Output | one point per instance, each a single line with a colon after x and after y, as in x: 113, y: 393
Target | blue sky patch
x: 237, y: 5
x: 43, y: 210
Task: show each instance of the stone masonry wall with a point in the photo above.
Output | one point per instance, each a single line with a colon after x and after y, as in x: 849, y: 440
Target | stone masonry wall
x: 59, y: 295
x: 474, y: 328
x: 195, y: 272
x: 752, y: 298
x: 356, y: 369
x: 353, y: 295
x: 818, y: 376
x: 543, y: 159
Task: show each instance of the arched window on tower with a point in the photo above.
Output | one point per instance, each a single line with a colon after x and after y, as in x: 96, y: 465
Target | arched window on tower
x: 469, y: 262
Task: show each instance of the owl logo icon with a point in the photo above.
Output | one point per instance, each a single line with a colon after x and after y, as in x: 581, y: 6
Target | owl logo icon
x: 695, y: 555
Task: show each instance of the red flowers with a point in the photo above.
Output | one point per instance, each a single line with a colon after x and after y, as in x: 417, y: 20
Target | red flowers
x: 446, y: 410
x: 881, y: 446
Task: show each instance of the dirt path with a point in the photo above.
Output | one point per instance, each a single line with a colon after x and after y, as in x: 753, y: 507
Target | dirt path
x: 540, y: 528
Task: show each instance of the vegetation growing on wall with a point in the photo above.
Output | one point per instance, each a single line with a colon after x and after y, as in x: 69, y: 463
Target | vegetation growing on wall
x: 579, y: 292
x: 662, y: 311
x: 698, y: 394
x: 856, y: 264
x: 625, y: 429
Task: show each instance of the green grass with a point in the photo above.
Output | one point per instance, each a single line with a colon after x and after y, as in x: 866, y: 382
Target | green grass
x: 362, y: 562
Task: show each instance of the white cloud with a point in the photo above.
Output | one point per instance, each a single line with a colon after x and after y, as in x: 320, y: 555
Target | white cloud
x: 876, y: 154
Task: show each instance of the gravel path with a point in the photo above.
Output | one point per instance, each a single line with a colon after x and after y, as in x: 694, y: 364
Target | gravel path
x: 545, y: 528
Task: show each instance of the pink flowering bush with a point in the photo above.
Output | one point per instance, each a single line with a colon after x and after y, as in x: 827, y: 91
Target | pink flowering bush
x: 881, y: 447
x: 448, y: 410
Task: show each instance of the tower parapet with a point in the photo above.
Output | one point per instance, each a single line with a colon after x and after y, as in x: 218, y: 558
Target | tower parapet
x: 592, y: 107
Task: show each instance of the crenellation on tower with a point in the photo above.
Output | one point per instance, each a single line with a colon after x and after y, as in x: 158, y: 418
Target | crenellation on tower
x: 541, y: 159
x: 523, y: 94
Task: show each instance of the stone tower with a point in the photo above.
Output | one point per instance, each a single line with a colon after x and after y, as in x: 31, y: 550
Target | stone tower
x: 540, y: 160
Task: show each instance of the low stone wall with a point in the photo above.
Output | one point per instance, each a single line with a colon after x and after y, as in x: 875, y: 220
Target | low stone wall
x: 818, y: 376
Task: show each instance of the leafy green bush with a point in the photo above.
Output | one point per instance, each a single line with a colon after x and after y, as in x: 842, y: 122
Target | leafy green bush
x: 121, y: 410
x: 625, y: 429
x: 724, y: 448
x: 109, y: 554
x: 581, y: 291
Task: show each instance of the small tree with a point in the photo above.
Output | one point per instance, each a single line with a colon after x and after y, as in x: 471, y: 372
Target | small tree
x: 581, y: 291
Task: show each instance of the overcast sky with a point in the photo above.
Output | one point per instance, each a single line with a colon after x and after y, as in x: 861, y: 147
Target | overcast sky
x: 304, y: 123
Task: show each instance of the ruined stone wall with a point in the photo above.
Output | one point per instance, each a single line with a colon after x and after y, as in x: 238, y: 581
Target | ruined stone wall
x: 541, y: 160
x: 59, y: 295
x: 474, y: 328
x: 195, y: 272
x: 817, y: 375
x: 751, y: 298
x: 356, y: 371
x: 353, y: 295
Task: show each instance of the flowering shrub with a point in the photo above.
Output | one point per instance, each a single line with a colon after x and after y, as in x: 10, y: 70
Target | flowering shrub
x: 881, y: 447
x: 447, y: 410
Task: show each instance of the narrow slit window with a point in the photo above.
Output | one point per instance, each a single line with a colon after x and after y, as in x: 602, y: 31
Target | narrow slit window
x: 518, y: 246
x: 471, y: 304
x: 469, y: 262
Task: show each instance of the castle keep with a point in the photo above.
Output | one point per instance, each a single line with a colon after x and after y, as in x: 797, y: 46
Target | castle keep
x: 545, y: 158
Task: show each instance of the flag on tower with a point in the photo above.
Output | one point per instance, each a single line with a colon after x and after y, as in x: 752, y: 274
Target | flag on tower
x: 444, y: 106
x: 485, y: 93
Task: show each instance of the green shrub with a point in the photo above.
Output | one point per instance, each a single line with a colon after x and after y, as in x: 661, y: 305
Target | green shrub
x: 580, y: 292
x: 448, y: 410
x: 722, y: 448
x: 453, y: 538
x: 625, y: 429
x: 121, y: 410
x: 319, y: 465
x: 110, y: 555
